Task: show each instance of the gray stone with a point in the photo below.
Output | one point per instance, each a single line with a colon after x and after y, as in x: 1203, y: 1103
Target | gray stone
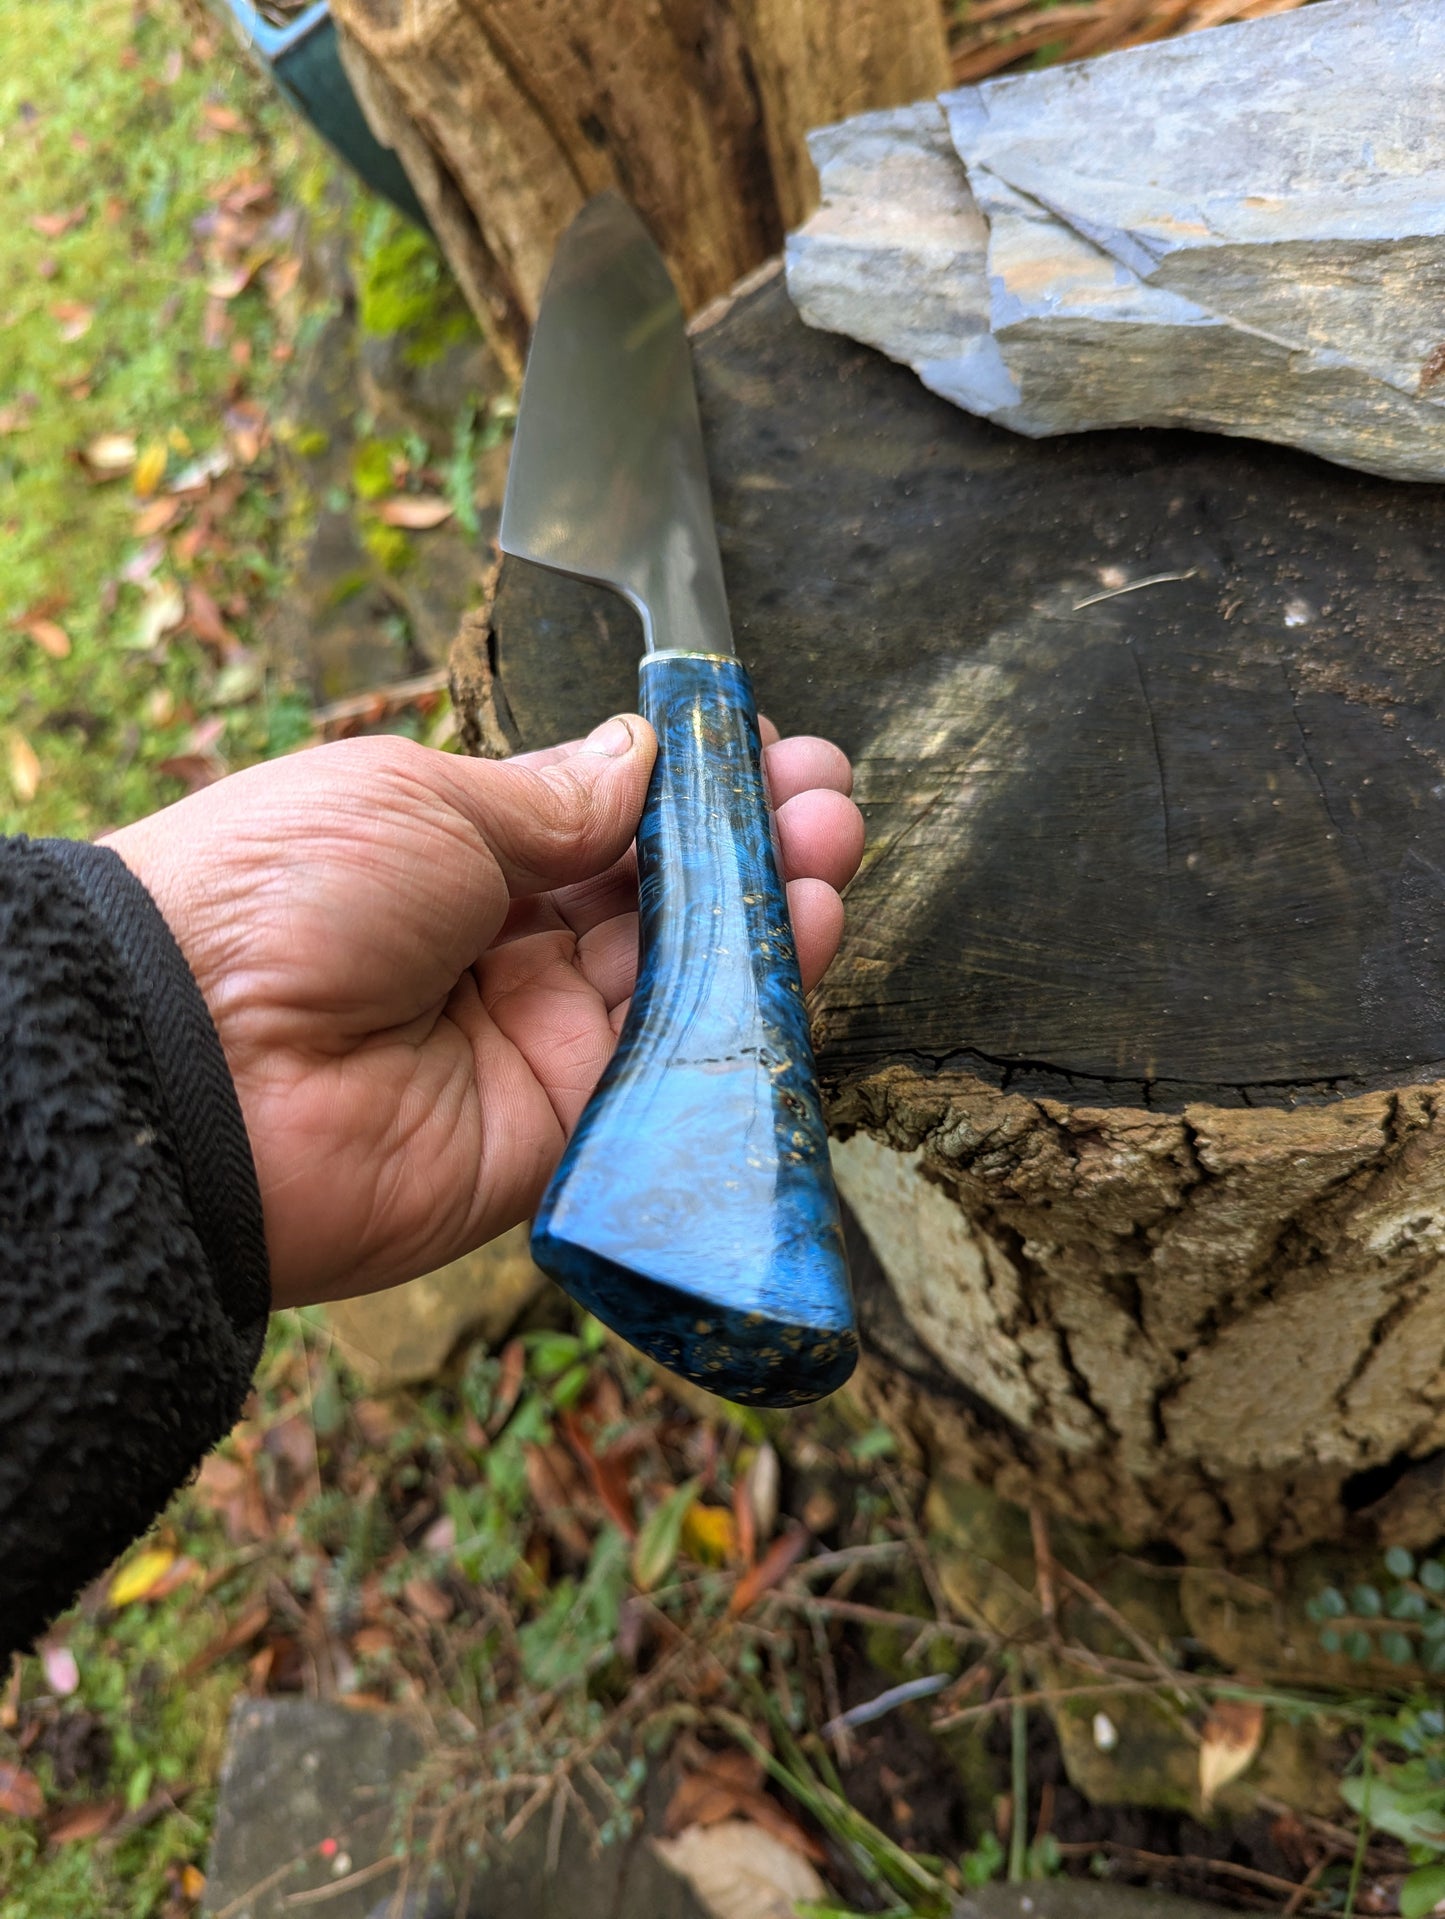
x: 1078, y: 1899
x: 297, y: 1773
x: 1242, y: 230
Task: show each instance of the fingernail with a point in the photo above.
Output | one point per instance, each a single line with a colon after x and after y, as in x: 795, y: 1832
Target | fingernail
x: 612, y: 739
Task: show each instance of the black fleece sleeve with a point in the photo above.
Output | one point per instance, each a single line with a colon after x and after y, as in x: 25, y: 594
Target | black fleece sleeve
x: 134, y: 1287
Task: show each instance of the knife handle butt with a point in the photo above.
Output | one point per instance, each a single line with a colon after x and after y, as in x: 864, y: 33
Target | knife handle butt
x: 694, y: 1210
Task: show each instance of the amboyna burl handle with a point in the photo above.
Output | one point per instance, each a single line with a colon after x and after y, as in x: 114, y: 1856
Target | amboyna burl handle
x: 694, y: 1210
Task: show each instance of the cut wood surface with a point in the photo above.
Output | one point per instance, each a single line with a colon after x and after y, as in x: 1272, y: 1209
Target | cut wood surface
x: 696, y: 110
x: 1136, y: 1042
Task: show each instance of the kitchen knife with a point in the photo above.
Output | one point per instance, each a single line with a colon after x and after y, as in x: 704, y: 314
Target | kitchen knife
x: 694, y: 1210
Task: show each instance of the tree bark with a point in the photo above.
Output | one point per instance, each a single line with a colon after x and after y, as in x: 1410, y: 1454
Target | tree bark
x: 695, y: 110
x: 1136, y: 1044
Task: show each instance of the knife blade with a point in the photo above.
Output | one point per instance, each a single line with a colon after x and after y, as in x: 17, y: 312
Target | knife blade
x: 694, y: 1210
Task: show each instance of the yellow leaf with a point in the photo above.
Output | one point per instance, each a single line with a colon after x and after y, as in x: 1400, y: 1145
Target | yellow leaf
x: 710, y: 1533
x: 24, y: 769
x: 139, y: 1579
x: 150, y: 469
x: 1230, y: 1740
x: 193, y: 1882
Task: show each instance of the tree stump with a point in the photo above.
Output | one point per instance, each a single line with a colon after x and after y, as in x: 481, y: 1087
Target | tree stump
x: 1136, y: 1043
x: 509, y: 116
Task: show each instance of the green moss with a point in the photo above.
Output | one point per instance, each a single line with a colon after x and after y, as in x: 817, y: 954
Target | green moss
x: 371, y: 468
x: 404, y: 286
x: 387, y: 545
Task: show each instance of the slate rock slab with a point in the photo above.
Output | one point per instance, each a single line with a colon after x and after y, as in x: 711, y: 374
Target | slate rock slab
x: 299, y: 1772
x: 1241, y: 230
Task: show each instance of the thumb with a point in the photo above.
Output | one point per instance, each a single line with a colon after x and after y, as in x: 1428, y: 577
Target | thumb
x: 561, y: 816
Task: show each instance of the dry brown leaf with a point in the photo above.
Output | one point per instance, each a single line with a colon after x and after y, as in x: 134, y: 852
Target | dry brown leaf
x: 427, y: 1600
x: 281, y: 276
x: 223, y: 119
x: 1229, y: 1741
x: 554, y: 1498
x: 780, y: 1558
x: 205, y: 621
x: 86, y: 1821
x: 415, y: 511
x: 15, y: 419
x: 49, y: 636
x: 730, y: 1785
x: 74, y: 317
x: 156, y: 517
x: 51, y: 225
x: 239, y: 1633
x: 20, y: 1793
x: 739, y: 1871
x: 24, y: 769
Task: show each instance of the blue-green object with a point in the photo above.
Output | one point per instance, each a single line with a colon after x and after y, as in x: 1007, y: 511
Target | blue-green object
x: 694, y: 1209
x: 304, y: 62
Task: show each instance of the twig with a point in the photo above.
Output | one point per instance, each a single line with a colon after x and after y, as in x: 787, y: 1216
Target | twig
x: 1136, y: 1639
x: 1018, y: 1844
x: 1251, y: 1875
x: 1044, y: 1568
x: 837, y: 1727
x: 1104, y: 1690
x: 878, y: 1616
x: 315, y: 1895
x: 1118, y: 592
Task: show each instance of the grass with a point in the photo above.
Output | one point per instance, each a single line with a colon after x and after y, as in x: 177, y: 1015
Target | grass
x: 113, y: 130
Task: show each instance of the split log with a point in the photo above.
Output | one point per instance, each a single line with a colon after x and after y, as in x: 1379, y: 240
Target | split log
x: 1136, y: 1044
x: 509, y: 115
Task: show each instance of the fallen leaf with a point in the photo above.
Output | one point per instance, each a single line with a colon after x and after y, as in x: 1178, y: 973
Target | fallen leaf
x: 223, y: 119
x: 239, y: 680
x: 24, y: 769
x: 710, y: 1534
x: 196, y: 771
x: 427, y: 1601
x: 15, y: 418
x: 239, y: 1633
x: 281, y: 276
x: 74, y: 317
x: 20, y: 1793
x: 49, y: 636
x: 86, y: 1821
x: 150, y: 469
x: 138, y: 1579
x: 415, y: 511
x: 235, y: 279
x: 660, y: 1539
x: 164, y: 607
x: 739, y: 1871
x: 608, y: 1473
x: 780, y: 1558
x: 763, y: 1482
x: 1228, y: 1742
x: 108, y: 456
x: 730, y: 1785
x: 51, y: 225
x: 199, y: 474
x: 509, y: 1386
x: 555, y: 1499
x: 156, y: 517
x: 62, y: 1674
x: 369, y: 1640
x: 193, y: 1882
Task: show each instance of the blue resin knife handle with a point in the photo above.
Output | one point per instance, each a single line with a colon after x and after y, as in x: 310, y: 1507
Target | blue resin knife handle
x: 694, y: 1209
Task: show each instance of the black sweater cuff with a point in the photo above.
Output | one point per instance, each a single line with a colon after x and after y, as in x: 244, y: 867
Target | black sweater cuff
x: 134, y: 1288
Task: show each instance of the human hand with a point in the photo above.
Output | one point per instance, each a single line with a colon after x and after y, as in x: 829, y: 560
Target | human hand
x: 418, y: 965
